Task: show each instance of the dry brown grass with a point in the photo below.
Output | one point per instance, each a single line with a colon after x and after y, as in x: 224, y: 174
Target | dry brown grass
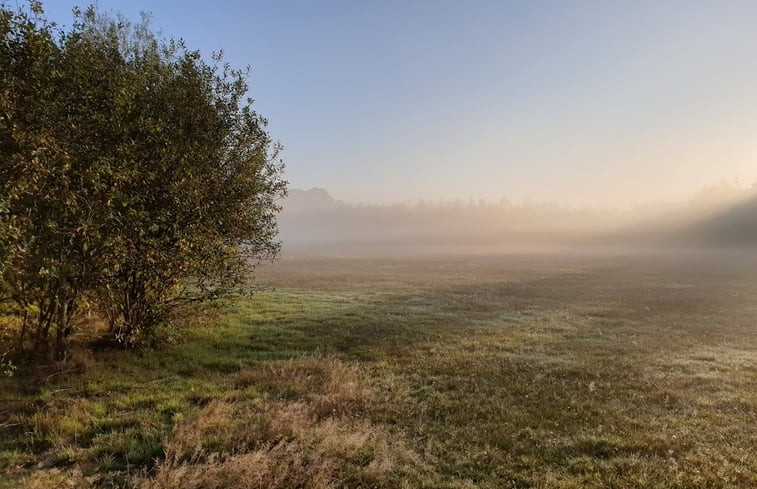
x: 57, y: 479
x: 309, y: 429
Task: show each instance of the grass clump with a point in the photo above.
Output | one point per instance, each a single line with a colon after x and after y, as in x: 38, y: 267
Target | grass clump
x: 309, y: 429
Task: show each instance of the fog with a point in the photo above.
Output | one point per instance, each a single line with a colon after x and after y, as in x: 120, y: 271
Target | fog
x: 724, y: 214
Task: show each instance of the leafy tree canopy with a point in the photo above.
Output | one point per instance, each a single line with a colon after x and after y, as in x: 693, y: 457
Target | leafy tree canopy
x: 134, y: 175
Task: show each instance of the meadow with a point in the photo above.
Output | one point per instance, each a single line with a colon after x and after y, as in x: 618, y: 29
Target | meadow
x: 459, y: 371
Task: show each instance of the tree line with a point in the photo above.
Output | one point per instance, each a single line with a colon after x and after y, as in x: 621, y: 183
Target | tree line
x: 135, y: 176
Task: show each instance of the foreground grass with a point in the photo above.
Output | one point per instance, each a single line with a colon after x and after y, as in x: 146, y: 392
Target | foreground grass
x: 451, y: 373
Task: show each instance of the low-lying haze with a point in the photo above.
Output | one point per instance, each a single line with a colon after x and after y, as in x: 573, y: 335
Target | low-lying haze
x: 719, y: 215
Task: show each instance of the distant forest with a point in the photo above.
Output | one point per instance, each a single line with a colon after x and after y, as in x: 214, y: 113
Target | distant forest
x: 314, y: 218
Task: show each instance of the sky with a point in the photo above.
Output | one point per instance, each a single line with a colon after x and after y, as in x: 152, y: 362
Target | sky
x: 584, y: 103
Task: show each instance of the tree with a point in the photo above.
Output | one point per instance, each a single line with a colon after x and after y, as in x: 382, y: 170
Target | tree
x: 135, y: 175
x: 47, y: 184
x: 199, y: 202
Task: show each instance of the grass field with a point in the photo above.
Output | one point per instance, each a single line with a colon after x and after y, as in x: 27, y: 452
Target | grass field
x: 445, y: 372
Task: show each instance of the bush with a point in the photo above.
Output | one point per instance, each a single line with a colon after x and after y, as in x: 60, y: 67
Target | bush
x: 135, y: 176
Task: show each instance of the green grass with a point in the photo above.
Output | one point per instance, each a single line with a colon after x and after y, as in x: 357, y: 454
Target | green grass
x: 452, y: 372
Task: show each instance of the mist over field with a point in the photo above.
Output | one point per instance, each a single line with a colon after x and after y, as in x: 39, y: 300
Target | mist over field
x: 721, y: 215
x: 427, y: 244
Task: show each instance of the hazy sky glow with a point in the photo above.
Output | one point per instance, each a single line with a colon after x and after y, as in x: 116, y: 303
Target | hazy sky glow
x: 585, y: 103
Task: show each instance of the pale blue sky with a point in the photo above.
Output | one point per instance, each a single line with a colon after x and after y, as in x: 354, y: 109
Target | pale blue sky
x: 580, y: 102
